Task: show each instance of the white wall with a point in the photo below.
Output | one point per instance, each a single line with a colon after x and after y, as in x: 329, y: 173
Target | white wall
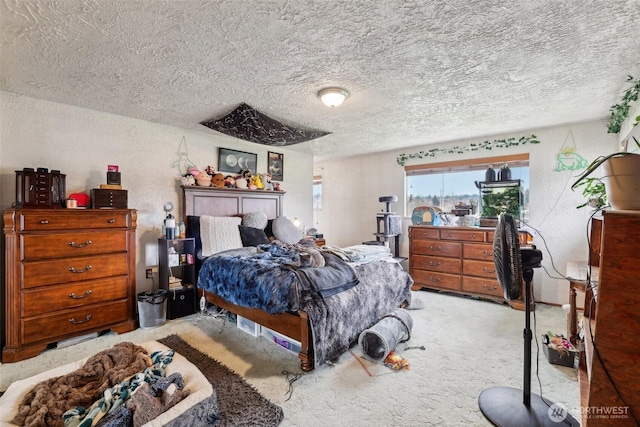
x: 352, y: 186
x: 81, y: 143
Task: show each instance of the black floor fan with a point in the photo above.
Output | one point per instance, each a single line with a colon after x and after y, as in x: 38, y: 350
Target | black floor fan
x: 508, y: 406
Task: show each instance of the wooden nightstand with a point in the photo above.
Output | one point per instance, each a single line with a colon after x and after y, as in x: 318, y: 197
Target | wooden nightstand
x: 320, y: 242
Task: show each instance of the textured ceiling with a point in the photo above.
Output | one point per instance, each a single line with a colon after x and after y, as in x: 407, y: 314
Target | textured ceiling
x: 419, y: 72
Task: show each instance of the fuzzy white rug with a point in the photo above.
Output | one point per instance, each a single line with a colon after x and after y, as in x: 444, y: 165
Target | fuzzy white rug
x: 469, y: 345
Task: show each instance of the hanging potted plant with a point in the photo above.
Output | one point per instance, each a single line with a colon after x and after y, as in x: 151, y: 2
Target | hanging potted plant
x: 619, y: 185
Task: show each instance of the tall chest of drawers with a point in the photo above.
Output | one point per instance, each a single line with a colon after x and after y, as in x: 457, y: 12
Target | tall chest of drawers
x: 457, y: 260
x: 67, y: 273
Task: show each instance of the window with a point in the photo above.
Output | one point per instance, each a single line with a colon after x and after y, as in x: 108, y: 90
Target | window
x: 317, y: 192
x: 445, y: 185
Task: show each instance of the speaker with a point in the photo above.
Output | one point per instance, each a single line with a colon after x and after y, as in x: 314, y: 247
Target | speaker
x: 113, y: 178
x: 181, y: 302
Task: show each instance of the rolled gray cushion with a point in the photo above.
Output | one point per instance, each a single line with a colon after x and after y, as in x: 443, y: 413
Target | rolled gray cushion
x: 285, y: 231
x: 255, y: 220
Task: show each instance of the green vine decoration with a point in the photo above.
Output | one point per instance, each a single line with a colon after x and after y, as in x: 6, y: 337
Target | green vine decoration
x: 619, y: 112
x: 486, y: 145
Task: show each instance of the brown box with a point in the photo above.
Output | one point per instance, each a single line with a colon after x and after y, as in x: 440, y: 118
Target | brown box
x: 104, y: 199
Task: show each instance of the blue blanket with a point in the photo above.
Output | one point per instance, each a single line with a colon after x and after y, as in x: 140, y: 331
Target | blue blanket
x: 273, y: 279
x: 338, y: 309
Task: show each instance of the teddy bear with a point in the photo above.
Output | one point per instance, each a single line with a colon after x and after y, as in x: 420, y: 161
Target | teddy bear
x: 217, y: 180
x: 277, y: 186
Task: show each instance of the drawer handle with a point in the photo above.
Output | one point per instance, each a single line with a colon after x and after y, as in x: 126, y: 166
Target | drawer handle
x: 84, y: 270
x: 79, y: 245
x: 434, y: 279
x: 77, y: 322
x: 487, y: 253
x: 86, y: 294
x: 434, y: 248
x: 488, y: 270
x: 44, y: 221
x: 449, y: 234
x: 435, y: 264
x: 112, y: 221
x: 490, y: 288
x: 473, y: 236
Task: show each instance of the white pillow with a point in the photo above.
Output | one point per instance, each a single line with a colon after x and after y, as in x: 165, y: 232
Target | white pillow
x: 285, y: 230
x: 219, y: 233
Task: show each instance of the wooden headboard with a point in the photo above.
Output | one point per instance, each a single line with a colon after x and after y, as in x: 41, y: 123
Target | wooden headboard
x: 213, y: 201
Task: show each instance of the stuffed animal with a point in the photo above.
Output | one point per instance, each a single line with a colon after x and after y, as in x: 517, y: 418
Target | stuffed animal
x: 266, y: 181
x: 277, y: 186
x: 241, y: 182
x: 229, y: 181
x: 188, y: 179
x: 203, y: 179
x: 256, y: 180
x: 217, y: 180
x: 193, y: 170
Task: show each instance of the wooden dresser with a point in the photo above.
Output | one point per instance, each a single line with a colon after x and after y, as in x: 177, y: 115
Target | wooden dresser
x: 609, y: 370
x: 456, y: 259
x: 67, y: 272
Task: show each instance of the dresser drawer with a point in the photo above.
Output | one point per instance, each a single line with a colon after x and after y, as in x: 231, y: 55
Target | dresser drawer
x: 74, y: 321
x: 60, y: 245
x: 482, y: 286
x: 478, y: 251
x: 39, y: 273
x: 464, y: 235
x: 423, y: 233
x: 432, y: 263
x: 70, y: 219
x: 523, y: 237
x: 479, y: 268
x: 430, y: 279
x: 436, y: 247
x: 62, y: 297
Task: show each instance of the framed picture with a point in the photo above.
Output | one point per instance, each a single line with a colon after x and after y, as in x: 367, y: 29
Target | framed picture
x: 233, y: 161
x: 275, y: 165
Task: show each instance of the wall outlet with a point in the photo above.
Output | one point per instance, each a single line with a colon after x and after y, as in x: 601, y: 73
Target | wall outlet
x: 149, y: 271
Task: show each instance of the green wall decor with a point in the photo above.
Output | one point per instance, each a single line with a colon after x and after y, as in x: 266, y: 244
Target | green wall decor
x: 568, y: 159
x: 486, y: 145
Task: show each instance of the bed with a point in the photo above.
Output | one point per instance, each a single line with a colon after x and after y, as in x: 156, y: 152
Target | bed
x: 325, y: 326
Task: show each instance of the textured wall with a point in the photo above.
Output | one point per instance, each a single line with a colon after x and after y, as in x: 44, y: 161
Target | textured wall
x: 352, y: 187
x: 81, y: 143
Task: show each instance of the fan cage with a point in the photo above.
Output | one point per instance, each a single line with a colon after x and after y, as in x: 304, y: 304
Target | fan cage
x: 507, y: 257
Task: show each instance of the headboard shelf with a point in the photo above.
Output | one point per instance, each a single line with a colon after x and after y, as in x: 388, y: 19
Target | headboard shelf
x: 214, y: 201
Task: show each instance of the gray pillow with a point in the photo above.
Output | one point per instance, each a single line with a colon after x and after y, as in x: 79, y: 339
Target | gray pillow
x: 255, y: 220
x: 285, y: 231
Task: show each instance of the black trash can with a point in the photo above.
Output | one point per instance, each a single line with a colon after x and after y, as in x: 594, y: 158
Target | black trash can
x: 152, y: 308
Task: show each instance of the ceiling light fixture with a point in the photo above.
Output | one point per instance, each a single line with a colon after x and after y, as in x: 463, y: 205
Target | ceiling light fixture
x: 333, y: 96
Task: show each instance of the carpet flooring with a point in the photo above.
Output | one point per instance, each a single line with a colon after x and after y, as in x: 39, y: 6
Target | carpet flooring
x: 470, y: 345
x: 240, y: 404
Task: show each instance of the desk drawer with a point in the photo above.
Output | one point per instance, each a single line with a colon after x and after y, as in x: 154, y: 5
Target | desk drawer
x: 61, y: 297
x: 67, y: 270
x: 62, y: 245
x: 75, y: 321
